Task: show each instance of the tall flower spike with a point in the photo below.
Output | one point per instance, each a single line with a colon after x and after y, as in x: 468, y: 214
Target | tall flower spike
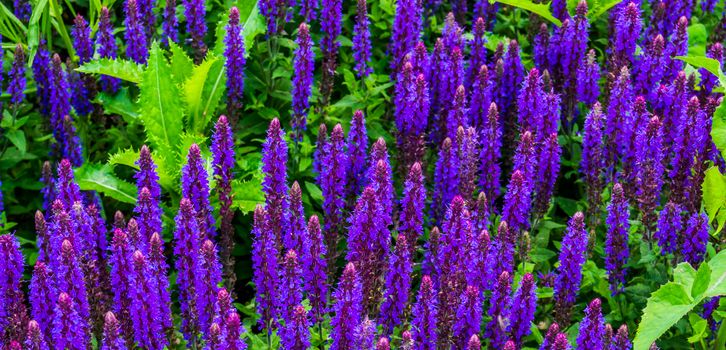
x: 500, y: 254
x: 290, y: 286
x: 295, y: 334
x: 362, y: 41
x: 677, y: 46
x: 407, y: 26
x: 159, y: 270
x: 621, y: 340
x: 708, y: 80
x: 169, y: 26
x: 234, y: 53
x: 467, y: 155
x: 69, y: 330
x: 628, y: 26
x: 445, y: 178
x: 42, y: 297
x: 411, y: 113
x: 106, y: 48
x: 309, y: 10
x: 398, y: 284
x: 687, y: 143
x: 16, y: 87
x: 274, y: 184
x: 561, y: 342
x: 592, y: 162
x: 121, y: 272
x: 650, y: 68
x: 500, y: 304
x: 523, y: 307
x: 333, y: 183
x: 518, y: 200
x: 365, y: 334
x: 320, y: 155
x: 60, y: 121
x: 529, y: 102
x: 22, y: 10
x: 619, y: 107
x: 468, y: 316
x: 547, y: 171
x: 42, y: 74
x: 315, y: 269
x: 411, y: 218
x: 145, y: 305
x: 35, y: 340
x: 588, y: 74
x: 67, y: 274
x: 649, y: 163
x: 195, y: 12
x: 82, y: 39
x: 195, y: 187
x: 186, y: 250
x: 616, y: 243
x: 208, y: 278
x: 13, y: 315
x: 146, y: 177
x: 478, y: 56
x: 357, y: 152
x: 348, y: 309
x: 695, y: 239
x: 491, y: 141
x: 232, y: 338
x: 425, y: 316
x: 72, y: 148
x: 302, y: 81
x: 380, y: 177
x: 330, y: 24
x: 512, y: 78
x: 383, y: 344
x: 592, y: 327
x: 295, y: 237
x: 136, y: 44
x: 550, y: 336
x: 670, y: 227
x: 481, y: 98
x: 48, y: 190
x: 84, y: 85
x: 458, y: 113
x: 569, y: 273
x: 112, y: 338
x: 223, y: 164
x: 264, y: 268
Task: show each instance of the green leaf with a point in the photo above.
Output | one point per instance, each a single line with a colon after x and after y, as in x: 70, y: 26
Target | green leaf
x: 714, y: 193
x: 120, y: 104
x: 718, y: 129
x: 118, y: 68
x: 665, y: 307
x: 706, y: 63
x: 181, y: 65
x: 717, y: 285
x: 203, y: 91
x: 160, y: 106
x: 700, y: 284
x: 543, y: 10
x: 126, y: 157
x: 247, y: 194
x: 100, y: 178
x: 601, y: 8
x: 17, y: 137
x: 697, y: 38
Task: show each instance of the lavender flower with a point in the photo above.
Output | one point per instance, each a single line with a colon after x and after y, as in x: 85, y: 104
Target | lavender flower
x: 294, y: 238
x: 491, y: 141
x: 481, y: 98
x: 474, y: 343
x: 529, y: 101
x: 649, y: 158
x: 169, y: 25
x: 592, y: 327
x: 383, y: 344
x: 500, y: 254
x: 16, y: 88
x: 500, y: 303
x: 362, y: 41
x: 686, y: 144
x: 309, y: 9
x: 540, y: 46
x: 35, y: 339
x: 348, y: 309
x: 518, y: 200
x: 616, y: 243
x: 411, y: 113
x: 121, y: 272
x: 677, y: 46
x: 22, y: 10
x: 296, y: 333
x: 407, y: 26
x: 44, y: 81
x: 302, y: 81
x: 478, y: 56
x: 616, y: 128
x: 69, y: 330
x: 234, y: 52
x: 592, y: 162
x: 290, y: 291
x: 398, y: 284
x: 235, y: 329
x: 315, y: 269
x: 136, y: 44
x: 628, y: 26
x: 67, y: 274
x: 524, y: 304
x: 695, y: 239
x: 569, y: 273
x: 223, y: 163
x: 365, y: 334
x: 208, y: 277
x: 411, y: 218
x: 60, y: 120
x: 330, y: 24
x: 457, y: 114
x: 264, y: 268
x: 357, y: 150
x: 511, y: 79
x: 274, y: 184
x: 468, y: 316
x: 42, y: 297
x: 561, y: 342
x: 13, y: 315
x: 333, y: 164
x: 380, y: 177
x: 195, y: 187
x: 145, y: 305
x: 649, y: 69
x: 708, y: 80
x: 621, y: 340
x: 195, y: 12
x: 159, y: 269
x: 425, y: 316
x: 588, y: 74
x: 549, y: 340
x: 186, y: 249
x: 445, y: 179
x: 547, y: 171
x: 106, y: 48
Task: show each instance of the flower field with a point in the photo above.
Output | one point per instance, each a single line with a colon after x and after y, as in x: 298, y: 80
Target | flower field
x: 399, y: 174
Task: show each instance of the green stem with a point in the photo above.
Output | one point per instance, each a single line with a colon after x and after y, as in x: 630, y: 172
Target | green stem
x: 320, y: 332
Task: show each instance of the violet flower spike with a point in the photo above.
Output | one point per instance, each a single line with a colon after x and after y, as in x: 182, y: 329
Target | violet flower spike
x: 35, y: 340
x: 22, y: 10
x: 195, y: 13
x: 348, y: 309
x: 16, y: 87
x: 187, y: 245
x: 569, y: 273
x: 13, y: 314
x: 70, y: 332
x: 208, y: 277
x: 137, y: 47
x: 411, y: 215
x: 330, y: 24
x: 234, y: 52
x: 425, y: 316
x: 145, y: 305
x: 593, y: 162
x: 302, y: 81
x: 315, y: 269
x: 407, y: 26
x: 362, y: 41
x: 44, y: 80
x: 274, y: 184
x: 294, y: 239
x: 265, y: 268
x: 357, y: 152
x: 445, y: 178
x: 106, y: 48
x: 670, y: 227
x: 468, y: 314
x: 695, y: 239
x: 524, y: 304
x: 42, y: 297
x: 121, y: 272
x: 588, y: 75
x: 223, y: 164
x: 616, y: 243
x: 195, y: 187
x: 112, y: 337
x: 491, y: 141
x: 290, y: 287
x: 650, y: 169
x: 170, y: 32
x: 500, y: 304
x: 296, y: 332
x: 592, y: 327
x: 398, y: 284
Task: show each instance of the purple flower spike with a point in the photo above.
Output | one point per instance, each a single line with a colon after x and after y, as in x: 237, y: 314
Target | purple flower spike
x: 491, y: 141
x: 121, y: 272
x: 16, y: 88
x: 309, y: 9
x: 232, y: 338
x: 398, y: 284
x: 145, y: 305
x: 159, y: 270
x: 265, y: 268
x: 561, y: 342
x: 357, y: 151
x: 383, y: 344
x: 333, y: 163
x: 695, y: 239
x: 468, y: 316
x: 223, y: 163
x: 106, y: 48
x: 481, y: 98
x: 518, y: 200
x: 234, y: 52
x: 593, y: 161
x: 621, y: 340
x: 22, y: 10
x: 67, y: 274
x: 35, y: 340
x: 670, y: 227
x: 529, y: 101
x: 69, y: 329
x: 550, y: 337
x: 458, y: 115
x: 362, y: 41
x: 649, y: 158
x: 511, y: 79
x: 83, y: 86
x: 43, y: 79
x: 331, y: 26
x: 195, y: 12
x: 208, y: 278
x: 411, y: 113
x: 136, y: 44
x: 294, y: 239
x: 588, y: 74
x: 616, y: 244
x: 523, y: 307
x: 302, y: 81
x: 500, y: 254
x: 478, y: 49
x: 290, y: 286
x: 474, y: 343
x: 569, y: 273
x: 380, y: 177
x: 195, y: 187
x: 13, y: 314
x: 186, y: 250
x: 445, y: 178
x: 42, y: 297
x: 628, y: 26
x: 708, y: 80
x: 274, y: 184
x: 348, y: 309
x: 411, y: 218
x: 315, y: 269
x: 82, y: 39
x: 365, y: 334
x: 170, y: 32
x: 677, y: 46
x: 547, y: 171
x: 500, y: 303
x: 425, y: 316
x: 407, y: 25
x: 296, y: 333
x: 112, y: 338
x: 649, y: 69
x: 619, y: 108
x: 592, y: 328
x: 60, y: 120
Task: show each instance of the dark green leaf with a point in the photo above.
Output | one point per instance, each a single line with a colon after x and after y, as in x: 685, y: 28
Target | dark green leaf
x: 100, y: 178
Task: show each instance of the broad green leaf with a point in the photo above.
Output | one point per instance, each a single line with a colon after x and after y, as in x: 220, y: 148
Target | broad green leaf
x: 160, y: 106
x: 697, y: 38
x: 706, y: 63
x: 714, y: 192
x: 717, y: 285
x: 100, y: 178
x: 127, y: 157
x: 120, y: 104
x: 122, y: 69
x: 684, y: 274
x: 214, y: 89
x: 718, y: 129
x: 700, y: 284
x: 665, y: 307
x: 181, y: 65
x: 543, y: 10
x: 247, y: 194
x: 203, y: 91
x: 17, y: 137
x: 192, y: 91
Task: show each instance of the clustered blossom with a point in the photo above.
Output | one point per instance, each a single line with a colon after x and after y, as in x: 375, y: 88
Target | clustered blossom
x: 348, y: 303
x: 274, y: 184
x: 592, y: 327
x: 362, y: 41
x: 234, y: 52
x: 616, y: 242
x: 223, y: 163
x: 195, y: 12
x: 302, y: 81
x: 136, y: 45
x: 569, y: 273
x: 195, y: 187
x: 407, y: 25
x: 16, y: 87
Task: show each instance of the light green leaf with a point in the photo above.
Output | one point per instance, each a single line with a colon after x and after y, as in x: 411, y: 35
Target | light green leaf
x: 247, y: 194
x: 714, y: 192
x: 100, y: 178
x: 717, y: 285
x: 118, y: 68
x: 127, y: 157
x: 543, y: 10
x: 601, y: 8
x: 181, y: 65
x: 700, y: 284
x: 203, y: 91
x: 697, y: 38
x: 192, y: 91
x: 120, y: 104
x: 718, y: 129
x: 706, y: 63
x: 665, y: 307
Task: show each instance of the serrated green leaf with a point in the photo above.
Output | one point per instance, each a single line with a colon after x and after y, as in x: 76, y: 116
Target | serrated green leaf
x: 192, y: 91
x: 100, y: 178
x: 202, y: 92
x: 118, y: 68
x: 665, y: 307
x: 120, y: 104
x: 181, y: 65
x: 703, y: 278
x: 127, y: 157
x: 600, y: 9
x: 718, y: 129
x: 247, y: 194
x: 542, y: 10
